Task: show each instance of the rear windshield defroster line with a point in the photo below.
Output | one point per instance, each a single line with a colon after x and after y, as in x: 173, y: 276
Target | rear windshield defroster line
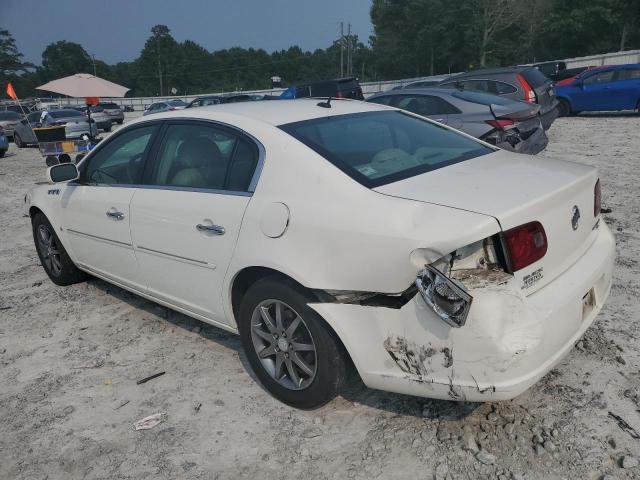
x: 382, y: 147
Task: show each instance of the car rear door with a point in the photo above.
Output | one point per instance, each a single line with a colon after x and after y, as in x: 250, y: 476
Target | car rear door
x: 625, y: 88
x: 96, y: 208
x: 186, y: 219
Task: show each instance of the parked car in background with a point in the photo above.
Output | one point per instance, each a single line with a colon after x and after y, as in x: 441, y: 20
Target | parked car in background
x: 8, y: 121
x: 331, y: 235
x: 236, y: 98
x: 102, y: 119
x: 609, y: 88
x: 75, y: 122
x: 114, y: 111
x: 509, y: 124
x: 348, y: 87
x: 47, y: 103
x: 4, y: 142
x: 427, y: 82
x: 518, y: 83
x: 20, y: 108
x: 204, y: 101
x: 569, y: 74
x: 165, y: 106
x: 553, y: 70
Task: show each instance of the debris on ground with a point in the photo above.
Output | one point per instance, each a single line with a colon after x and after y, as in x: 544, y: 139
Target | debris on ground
x: 150, y: 421
x: 150, y: 377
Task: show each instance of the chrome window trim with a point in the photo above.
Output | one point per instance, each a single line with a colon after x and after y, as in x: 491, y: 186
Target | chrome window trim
x: 252, y: 184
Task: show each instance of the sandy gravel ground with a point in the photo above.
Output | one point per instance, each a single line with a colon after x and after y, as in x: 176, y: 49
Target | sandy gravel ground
x: 70, y: 358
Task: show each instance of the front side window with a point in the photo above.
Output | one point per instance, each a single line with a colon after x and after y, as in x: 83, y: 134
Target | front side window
x: 598, y: 78
x: 377, y: 148
x: 197, y: 156
x: 120, y: 160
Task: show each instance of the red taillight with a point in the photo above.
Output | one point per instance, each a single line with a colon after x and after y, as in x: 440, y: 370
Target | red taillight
x: 529, y: 93
x: 339, y: 94
x: 525, y: 244
x: 597, y: 199
x: 501, y: 124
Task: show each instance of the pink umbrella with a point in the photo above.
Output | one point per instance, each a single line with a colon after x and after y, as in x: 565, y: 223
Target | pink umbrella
x: 84, y: 85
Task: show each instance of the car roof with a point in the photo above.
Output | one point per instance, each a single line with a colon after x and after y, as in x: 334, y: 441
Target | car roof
x: 416, y: 91
x: 278, y: 112
x: 491, y: 71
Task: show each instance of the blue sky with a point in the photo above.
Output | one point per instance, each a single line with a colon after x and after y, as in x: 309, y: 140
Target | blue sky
x: 115, y: 30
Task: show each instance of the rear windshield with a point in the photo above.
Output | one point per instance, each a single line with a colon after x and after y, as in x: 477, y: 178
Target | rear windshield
x: 481, y: 98
x: 376, y: 148
x: 9, y: 116
x: 109, y: 105
x: 534, y: 77
x: 65, y: 113
x: 177, y: 103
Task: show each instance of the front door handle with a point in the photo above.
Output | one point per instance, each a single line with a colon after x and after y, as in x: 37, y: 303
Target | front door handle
x: 115, y: 215
x: 215, y: 229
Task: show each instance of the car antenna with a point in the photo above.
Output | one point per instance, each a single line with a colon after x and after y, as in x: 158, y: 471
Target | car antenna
x: 326, y: 104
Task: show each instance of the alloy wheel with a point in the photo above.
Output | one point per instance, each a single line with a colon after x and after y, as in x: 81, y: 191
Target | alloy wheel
x: 49, y: 250
x: 284, y: 344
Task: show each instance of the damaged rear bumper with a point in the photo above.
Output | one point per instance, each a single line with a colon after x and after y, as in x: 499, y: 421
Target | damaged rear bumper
x: 508, y: 343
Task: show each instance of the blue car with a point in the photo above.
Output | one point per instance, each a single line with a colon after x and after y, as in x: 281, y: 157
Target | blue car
x: 608, y: 88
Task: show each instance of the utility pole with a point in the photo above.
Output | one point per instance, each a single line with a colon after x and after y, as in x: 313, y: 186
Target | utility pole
x: 349, y: 64
x: 341, y: 49
x: 93, y: 60
x: 159, y: 69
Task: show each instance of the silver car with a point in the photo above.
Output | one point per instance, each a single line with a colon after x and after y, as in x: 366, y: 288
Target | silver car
x: 8, y: 121
x: 75, y: 123
x: 509, y: 124
x: 114, y: 111
x: 164, y: 106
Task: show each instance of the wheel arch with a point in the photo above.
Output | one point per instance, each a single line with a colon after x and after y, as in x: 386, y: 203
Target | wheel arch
x: 247, y: 276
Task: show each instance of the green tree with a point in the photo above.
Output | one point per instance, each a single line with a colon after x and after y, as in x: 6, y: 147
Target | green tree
x: 63, y: 58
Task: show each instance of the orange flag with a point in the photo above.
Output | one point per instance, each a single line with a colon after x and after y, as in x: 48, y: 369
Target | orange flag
x: 11, y: 92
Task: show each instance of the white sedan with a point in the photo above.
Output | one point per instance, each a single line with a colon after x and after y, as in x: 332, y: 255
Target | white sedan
x: 336, y: 233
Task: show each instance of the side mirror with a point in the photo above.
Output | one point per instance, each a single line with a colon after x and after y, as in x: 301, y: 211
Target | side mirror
x: 62, y: 173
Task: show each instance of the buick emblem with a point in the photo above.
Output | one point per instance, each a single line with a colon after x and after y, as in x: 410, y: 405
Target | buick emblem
x: 575, y: 217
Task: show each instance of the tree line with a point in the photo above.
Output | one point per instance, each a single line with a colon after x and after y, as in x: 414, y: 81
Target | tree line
x: 410, y: 38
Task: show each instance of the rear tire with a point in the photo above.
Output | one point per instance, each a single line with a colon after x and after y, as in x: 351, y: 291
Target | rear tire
x: 55, y: 260
x: 17, y: 140
x: 2, y: 152
x: 303, y: 365
x: 108, y: 129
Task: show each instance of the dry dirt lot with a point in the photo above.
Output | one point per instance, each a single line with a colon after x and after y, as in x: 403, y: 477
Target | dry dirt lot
x: 70, y: 358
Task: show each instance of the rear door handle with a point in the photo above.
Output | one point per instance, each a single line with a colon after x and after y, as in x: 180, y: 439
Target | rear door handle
x: 215, y: 229
x: 115, y: 215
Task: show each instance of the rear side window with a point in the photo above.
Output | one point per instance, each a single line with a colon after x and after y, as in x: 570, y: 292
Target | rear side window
x: 481, y: 98
x: 424, y: 105
x: 602, y: 77
x: 377, y: 148
x: 502, y: 88
x: 474, y: 85
x: 534, y: 77
x: 629, y: 74
x: 197, y: 156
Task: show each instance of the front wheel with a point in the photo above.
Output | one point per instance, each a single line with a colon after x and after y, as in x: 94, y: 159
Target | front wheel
x: 564, y: 109
x: 290, y: 348
x: 17, y: 140
x: 55, y: 260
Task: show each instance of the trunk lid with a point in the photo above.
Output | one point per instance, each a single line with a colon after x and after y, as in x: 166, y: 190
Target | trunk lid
x: 517, y: 189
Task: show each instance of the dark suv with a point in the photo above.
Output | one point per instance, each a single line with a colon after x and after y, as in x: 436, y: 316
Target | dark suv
x: 518, y: 83
x: 339, y: 88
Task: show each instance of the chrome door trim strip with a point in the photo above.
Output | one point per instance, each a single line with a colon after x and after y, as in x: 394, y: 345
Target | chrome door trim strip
x: 102, y: 239
x: 171, y: 255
